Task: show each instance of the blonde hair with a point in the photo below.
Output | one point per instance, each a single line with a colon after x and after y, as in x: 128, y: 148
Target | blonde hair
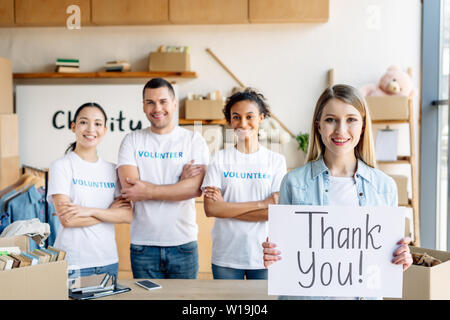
x: 365, y: 149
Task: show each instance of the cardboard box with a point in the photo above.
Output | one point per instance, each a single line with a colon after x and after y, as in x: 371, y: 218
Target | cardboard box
x: 9, y: 135
x: 204, y: 109
x: 6, y: 86
x: 40, y: 282
x: 9, y: 171
x: 213, y: 135
x: 402, y: 189
x: 428, y: 283
x: 169, y: 61
x: 388, y: 107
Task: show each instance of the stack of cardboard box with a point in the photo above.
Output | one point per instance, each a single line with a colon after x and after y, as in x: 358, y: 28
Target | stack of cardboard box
x: 9, y: 135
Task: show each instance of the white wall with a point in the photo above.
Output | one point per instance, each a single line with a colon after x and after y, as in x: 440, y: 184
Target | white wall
x: 286, y: 62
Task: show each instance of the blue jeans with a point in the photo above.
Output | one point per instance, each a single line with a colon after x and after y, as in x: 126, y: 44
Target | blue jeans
x: 238, y: 274
x: 154, y: 262
x: 111, y: 269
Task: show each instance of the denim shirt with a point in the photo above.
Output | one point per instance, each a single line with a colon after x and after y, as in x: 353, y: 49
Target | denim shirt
x: 309, y: 184
x: 30, y: 205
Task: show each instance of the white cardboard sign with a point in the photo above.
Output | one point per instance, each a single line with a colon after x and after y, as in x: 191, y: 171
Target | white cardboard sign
x: 336, y: 251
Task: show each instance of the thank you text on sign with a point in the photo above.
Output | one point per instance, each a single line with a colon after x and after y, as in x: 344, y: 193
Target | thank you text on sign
x: 336, y: 251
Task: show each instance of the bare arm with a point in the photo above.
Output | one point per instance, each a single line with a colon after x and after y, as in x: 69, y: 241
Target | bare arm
x: 125, y: 173
x: 134, y: 189
x: 69, y: 220
x: 260, y: 215
x: 74, y: 215
x: 254, y: 216
x: 215, y: 206
x: 120, y: 211
x: 225, y: 209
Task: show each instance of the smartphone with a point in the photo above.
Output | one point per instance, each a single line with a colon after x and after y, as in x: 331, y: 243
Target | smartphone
x: 149, y: 285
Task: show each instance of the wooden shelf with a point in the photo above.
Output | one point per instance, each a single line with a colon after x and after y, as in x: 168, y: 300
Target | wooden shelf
x: 400, y: 160
x: 192, y: 122
x: 104, y: 75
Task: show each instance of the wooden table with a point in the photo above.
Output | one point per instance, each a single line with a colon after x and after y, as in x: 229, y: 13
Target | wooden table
x: 176, y: 289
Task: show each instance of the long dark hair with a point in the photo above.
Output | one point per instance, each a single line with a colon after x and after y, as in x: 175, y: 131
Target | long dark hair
x: 73, y: 145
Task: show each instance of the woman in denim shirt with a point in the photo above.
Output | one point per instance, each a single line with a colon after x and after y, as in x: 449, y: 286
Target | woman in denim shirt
x: 340, y: 168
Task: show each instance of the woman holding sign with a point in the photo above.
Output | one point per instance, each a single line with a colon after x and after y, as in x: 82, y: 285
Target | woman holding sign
x: 340, y: 168
x: 239, y: 185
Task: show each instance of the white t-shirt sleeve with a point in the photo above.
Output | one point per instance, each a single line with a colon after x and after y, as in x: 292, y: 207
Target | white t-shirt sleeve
x: 213, y: 176
x: 59, y: 178
x: 280, y: 167
x: 118, y: 189
x: 200, y: 151
x: 127, y: 152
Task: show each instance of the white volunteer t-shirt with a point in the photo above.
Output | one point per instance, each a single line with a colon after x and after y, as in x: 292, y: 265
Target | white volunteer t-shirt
x: 92, y: 185
x: 343, y: 192
x: 160, y: 160
x: 242, y: 178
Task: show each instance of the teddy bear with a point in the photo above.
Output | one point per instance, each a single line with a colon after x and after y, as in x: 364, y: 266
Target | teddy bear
x: 394, y: 82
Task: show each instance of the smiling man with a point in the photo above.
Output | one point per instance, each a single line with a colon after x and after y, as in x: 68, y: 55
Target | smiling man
x: 161, y: 169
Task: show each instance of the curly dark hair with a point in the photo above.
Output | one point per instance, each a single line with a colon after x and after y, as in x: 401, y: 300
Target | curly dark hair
x: 248, y: 94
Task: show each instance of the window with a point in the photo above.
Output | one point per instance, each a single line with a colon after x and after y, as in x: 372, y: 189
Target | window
x: 434, y: 155
x: 443, y: 162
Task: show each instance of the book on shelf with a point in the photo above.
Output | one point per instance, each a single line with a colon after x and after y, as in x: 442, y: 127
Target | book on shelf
x: 66, y: 69
x: 117, y: 66
x: 67, y: 65
x: 67, y: 60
